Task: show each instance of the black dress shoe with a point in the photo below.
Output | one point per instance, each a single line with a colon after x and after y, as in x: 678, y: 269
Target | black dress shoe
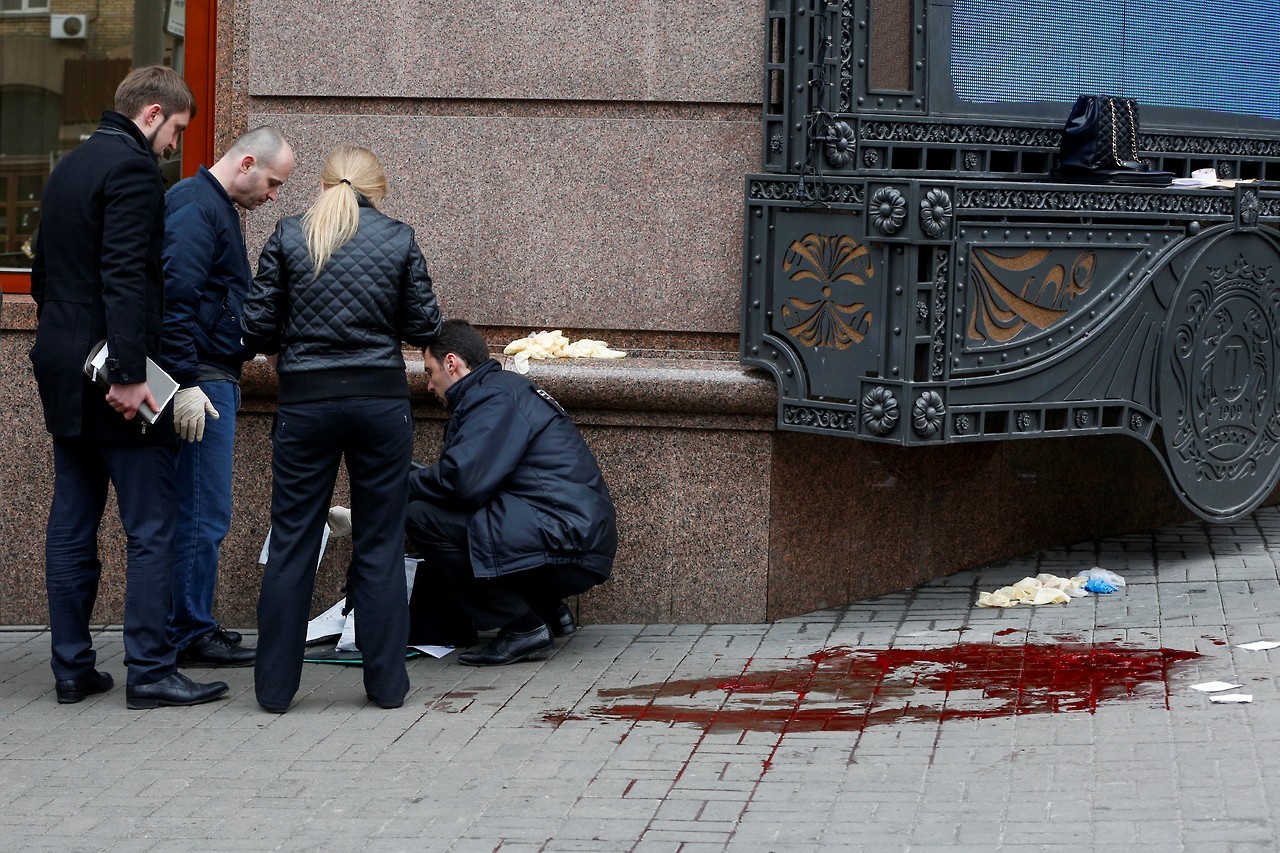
x: 560, y: 621
x: 213, y: 650
x: 72, y: 690
x: 175, y: 689
x: 231, y: 638
x: 510, y: 647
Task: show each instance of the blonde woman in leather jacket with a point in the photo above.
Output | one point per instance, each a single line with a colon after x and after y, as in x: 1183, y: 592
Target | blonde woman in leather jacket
x: 339, y: 290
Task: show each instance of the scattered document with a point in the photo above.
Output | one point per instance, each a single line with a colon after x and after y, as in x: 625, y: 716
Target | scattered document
x: 1232, y: 698
x: 1258, y: 645
x: 332, y: 624
x: 328, y: 624
x: 1214, y: 686
x: 1203, y: 178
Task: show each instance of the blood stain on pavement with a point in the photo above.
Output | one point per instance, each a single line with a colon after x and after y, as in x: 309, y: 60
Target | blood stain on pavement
x: 845, y: 689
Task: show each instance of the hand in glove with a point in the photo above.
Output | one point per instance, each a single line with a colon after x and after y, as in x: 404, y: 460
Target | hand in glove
x: 190, y: 405
x: 339, y: 521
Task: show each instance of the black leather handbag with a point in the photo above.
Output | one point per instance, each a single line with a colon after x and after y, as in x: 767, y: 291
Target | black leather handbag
x: 1100, y: 145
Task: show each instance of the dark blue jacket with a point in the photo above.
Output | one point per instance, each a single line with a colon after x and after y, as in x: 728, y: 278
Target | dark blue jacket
x: 516, y: 461
x: 97, y: 274
x: 206, y: 268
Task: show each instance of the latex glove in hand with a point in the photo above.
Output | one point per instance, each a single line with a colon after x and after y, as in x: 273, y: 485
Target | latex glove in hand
x: 190, y: 405
x: 339, y: 521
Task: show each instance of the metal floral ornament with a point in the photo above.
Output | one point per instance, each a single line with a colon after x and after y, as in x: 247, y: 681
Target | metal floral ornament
x: 880, y: 410
x: 888, y: 210
x: 840, y: 145
x: 926, y: 414
x: 935, y: 212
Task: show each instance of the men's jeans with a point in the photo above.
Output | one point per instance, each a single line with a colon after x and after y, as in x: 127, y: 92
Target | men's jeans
x: 204, y: 516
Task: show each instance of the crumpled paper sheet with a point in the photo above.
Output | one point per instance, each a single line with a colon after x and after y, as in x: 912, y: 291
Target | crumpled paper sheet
x: 1042, y: 589
x: 542, y: 345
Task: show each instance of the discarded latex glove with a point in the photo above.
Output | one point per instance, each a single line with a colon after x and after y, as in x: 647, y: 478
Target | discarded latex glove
x: 1071, y: 586
x: 1099, y: 586
x: 554, y: 344
x: 1043, y: 589
x: 339, y: 521
x: 1102, y: 574
x: 1044, y: 595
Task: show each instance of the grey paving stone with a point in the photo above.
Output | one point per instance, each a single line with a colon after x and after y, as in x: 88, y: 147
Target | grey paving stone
x: 531, y: 757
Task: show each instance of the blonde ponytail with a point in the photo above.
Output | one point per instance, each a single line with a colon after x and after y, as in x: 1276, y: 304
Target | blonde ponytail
x: 335, y: 216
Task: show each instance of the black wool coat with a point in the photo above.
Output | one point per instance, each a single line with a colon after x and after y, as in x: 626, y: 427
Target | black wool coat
x: 98, y: 274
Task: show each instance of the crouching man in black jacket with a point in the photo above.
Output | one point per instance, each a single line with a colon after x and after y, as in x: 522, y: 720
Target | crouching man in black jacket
x: 513, y: 518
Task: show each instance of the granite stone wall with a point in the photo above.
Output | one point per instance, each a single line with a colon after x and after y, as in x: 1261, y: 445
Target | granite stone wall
x: 581, y: 167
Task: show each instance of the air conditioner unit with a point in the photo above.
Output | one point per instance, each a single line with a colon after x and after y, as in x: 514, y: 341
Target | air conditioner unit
x: 68, y: 26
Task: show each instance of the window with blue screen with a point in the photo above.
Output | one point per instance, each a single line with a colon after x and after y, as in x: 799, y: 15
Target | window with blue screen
x: 1171, y: 53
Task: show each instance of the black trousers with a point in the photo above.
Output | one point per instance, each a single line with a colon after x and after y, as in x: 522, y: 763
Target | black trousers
x: 375, y: 437
x: 144, y: 478
x: 450, y: 603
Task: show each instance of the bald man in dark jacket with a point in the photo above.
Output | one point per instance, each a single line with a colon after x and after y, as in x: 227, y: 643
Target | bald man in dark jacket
x: 514, y: 516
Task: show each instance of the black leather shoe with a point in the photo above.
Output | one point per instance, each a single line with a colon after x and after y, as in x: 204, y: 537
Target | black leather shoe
x: 231, y: 638
x: 72, y: 690
x: 510, y: 647
x: 560, y: 621
x: 213, y: 650
x: 175, y: 689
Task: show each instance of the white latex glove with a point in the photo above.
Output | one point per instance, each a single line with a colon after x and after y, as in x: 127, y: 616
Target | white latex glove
x: 190, y: 405
x: 339, y: 521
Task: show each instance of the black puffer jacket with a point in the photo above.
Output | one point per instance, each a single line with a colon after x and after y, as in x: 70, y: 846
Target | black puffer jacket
x: 515, y: 460
x: 339, y: 334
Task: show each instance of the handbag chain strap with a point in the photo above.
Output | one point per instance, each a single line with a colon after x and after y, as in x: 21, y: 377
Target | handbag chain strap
x: 1115, y: 142
x: 1133, y: 130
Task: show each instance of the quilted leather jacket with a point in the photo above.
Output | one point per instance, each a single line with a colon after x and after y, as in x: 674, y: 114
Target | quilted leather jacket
x: 334, y: 330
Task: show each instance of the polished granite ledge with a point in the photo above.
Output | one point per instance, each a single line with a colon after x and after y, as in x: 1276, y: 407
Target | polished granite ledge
x: 709, y: 382
x: 694, y: 383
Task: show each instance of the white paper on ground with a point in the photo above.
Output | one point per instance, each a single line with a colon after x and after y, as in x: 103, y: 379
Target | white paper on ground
x: 1213, y: 686
x: 347, y: 642
x: 1231, y: 698
x: 434, y: 651
x: 327, y: 623
x: 333, y: 622
x: 1258, y: 645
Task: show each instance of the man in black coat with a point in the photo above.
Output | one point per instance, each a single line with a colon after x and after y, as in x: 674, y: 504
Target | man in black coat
x: 97, y: 276
x: 515, y: 515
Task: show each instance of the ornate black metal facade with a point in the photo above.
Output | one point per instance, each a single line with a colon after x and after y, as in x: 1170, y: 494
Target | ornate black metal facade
x: 915, y: 278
